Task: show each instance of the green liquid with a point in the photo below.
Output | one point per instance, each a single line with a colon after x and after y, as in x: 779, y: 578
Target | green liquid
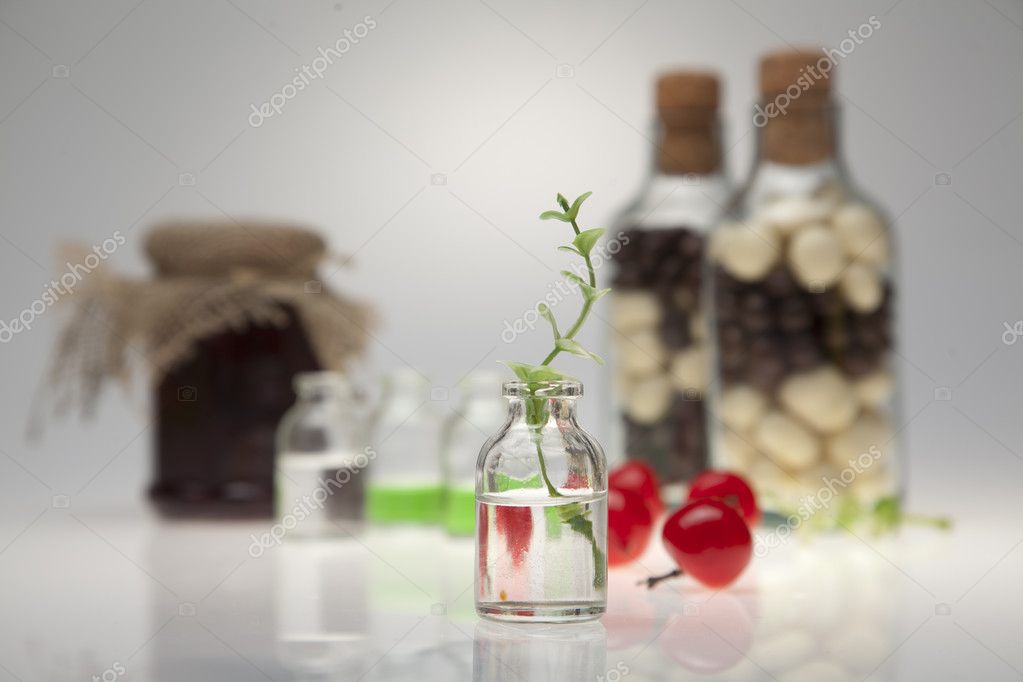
x: 403, y: 504
x: 460, y: 511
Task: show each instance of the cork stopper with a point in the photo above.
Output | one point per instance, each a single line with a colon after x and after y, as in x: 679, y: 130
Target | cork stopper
x: 687, y: 103
x: 795, y: 111
x: 808, y: 70
x: 677, y: 89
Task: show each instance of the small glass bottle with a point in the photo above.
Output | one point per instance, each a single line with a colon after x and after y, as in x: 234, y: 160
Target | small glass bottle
x: 480, y: 412
x: 320, y: 475
x: 541, y: 506
x: 405, y: 484
x: 803, y: 314
x: 659, y: 355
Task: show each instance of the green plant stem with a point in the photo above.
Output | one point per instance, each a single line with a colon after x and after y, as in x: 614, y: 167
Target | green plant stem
x: 582, y: 526
x: 543, y: 470
x: 587, y: 305
x: 939, y: 522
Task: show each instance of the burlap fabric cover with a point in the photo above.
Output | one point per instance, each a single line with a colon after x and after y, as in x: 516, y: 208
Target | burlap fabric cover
x: 210, y: 278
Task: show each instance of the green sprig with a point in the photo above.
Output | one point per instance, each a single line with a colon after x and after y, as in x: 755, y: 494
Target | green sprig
x: 537, y: 412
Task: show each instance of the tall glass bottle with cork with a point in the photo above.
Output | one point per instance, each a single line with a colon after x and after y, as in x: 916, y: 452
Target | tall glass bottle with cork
x: 803, y: 303
x: 659, y: 356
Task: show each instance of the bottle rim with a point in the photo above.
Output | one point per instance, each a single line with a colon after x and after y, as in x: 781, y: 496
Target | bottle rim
x: 325, y: 379
x: 565, y: 388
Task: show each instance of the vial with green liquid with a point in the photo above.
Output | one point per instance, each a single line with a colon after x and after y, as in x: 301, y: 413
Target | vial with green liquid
x: 480, y: 411
x: 405, y: 483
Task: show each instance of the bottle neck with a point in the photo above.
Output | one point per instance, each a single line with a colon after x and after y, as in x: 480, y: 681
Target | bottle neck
x: 322, y: 388
x: 324, y: 398
x: 561, y: 410
x: 688, y: 143
x: 797, y: 151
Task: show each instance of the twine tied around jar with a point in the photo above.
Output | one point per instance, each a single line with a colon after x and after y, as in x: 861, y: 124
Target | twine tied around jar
x: 211, y: 278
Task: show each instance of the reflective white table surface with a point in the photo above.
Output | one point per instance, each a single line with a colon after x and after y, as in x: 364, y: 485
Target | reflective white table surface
x: 105, y: 595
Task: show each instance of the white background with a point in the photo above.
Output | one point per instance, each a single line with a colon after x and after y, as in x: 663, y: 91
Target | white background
x: 469, y: 90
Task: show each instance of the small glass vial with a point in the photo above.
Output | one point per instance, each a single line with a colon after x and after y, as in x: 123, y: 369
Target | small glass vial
x: 320, y: 477
x: 803, y: 302
x: 480, y: 412
x: 541, y: 511
x: 405, y: 485
x: 658, y: 331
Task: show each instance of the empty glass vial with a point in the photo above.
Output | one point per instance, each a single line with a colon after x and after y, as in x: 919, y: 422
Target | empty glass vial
x: 803, y: 308
x: 658, y: 327
x: 541, y: 506
x: 320, y: 471
x: 405, y: 484
x: 481, y: 412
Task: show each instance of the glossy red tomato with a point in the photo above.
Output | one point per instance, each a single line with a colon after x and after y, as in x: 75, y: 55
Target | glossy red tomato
x: 729, y: 488
x: 629, y: 525
x: 639, y: 477
x: 709, y: 541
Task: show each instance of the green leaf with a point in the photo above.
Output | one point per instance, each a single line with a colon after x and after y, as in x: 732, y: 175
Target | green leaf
x: 572, y: 277
x: 554, y: 215
x: 562, y: 201
x: 887, y: 515
x: 593, y: 295
x: 546, y: 373
x: 575, y: 348
x: 521, y: 369
x: 569, y: 249
x: 573, y: 211
x: 529, y: 374
x: 545, y: 313
x: 585, y: 241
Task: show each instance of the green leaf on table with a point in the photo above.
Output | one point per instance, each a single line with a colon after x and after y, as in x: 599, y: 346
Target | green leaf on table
x: 575, y: 348
x: 887, y: 515
x: 585, y: 241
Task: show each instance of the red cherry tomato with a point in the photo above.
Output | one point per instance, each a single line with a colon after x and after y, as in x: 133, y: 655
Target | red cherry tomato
x: 729, y: 488
x: 629, y: 525
x: 638, y: 476
x: 709, y: 541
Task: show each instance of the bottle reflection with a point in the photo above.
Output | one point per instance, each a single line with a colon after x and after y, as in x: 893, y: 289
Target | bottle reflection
x: 540, y: 653
x: 321, y: 608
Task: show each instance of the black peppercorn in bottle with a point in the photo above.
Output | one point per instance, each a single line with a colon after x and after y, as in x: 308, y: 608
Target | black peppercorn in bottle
x: 801, y: 294
x: 658, y: 349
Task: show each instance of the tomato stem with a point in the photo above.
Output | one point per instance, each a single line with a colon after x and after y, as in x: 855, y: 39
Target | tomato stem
x: 653, y: 581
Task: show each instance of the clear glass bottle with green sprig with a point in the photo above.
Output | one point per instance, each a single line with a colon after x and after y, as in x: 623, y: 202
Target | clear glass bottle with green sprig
x: 541, y: 481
